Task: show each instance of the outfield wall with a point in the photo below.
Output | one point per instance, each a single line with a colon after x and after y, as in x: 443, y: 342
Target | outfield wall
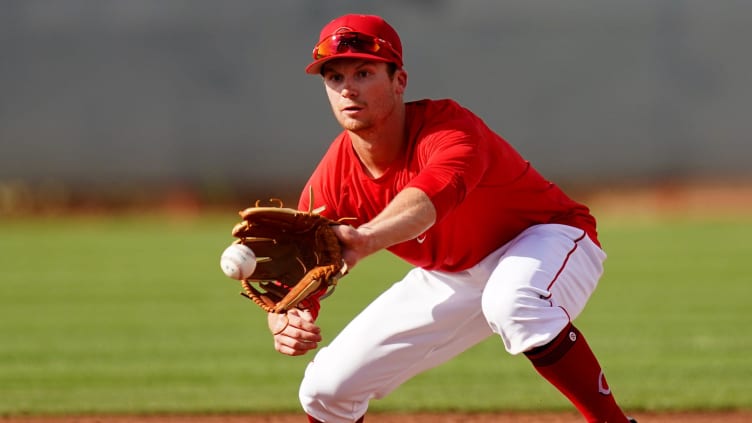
x: 109, y: 94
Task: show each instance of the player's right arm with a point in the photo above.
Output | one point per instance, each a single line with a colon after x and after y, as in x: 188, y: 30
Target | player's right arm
x: 410, y: 213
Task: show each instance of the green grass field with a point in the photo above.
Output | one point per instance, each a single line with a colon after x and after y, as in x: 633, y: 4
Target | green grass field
x: 133, y: 315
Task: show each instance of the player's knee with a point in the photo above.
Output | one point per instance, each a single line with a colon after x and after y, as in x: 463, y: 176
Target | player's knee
x: 504, y: 306
x: 324, y: 395
x: 310, y: 398
x: 315, y: 391
x: 520, y: 316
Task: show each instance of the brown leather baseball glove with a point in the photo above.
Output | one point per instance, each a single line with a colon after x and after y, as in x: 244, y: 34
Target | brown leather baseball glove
x: 298, y: 257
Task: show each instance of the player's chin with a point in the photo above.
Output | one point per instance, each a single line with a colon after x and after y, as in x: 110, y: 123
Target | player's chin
x: 354, y: 125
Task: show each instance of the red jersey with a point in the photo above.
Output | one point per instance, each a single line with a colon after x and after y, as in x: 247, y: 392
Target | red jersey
x: 484, y: 192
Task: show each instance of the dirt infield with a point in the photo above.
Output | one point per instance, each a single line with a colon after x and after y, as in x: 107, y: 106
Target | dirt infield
x: 690, y: 199
x: 683, y: 417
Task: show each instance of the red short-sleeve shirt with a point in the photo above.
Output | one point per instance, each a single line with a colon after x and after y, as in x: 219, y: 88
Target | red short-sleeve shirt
x: 484, y: 192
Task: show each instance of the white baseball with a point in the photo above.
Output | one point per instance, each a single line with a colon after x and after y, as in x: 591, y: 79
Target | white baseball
x: 238, y: 261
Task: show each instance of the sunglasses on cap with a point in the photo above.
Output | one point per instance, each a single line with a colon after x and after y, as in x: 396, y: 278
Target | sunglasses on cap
x: 355, y: 42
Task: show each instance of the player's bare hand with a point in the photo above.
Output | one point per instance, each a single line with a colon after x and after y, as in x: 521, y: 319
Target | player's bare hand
x: 295, y: 333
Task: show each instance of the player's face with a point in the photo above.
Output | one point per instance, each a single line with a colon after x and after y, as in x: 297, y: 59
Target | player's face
x: 363, y: 95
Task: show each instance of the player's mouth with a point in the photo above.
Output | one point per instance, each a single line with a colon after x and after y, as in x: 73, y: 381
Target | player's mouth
x: 350, y: 109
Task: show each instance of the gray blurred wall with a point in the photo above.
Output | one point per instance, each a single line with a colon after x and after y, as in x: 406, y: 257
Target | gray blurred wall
x: 108, y: 94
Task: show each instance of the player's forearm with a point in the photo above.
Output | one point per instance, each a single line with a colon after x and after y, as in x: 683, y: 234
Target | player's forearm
x: 407, y: 216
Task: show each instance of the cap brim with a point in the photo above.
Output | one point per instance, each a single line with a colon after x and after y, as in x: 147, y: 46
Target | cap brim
x: 315, y: 67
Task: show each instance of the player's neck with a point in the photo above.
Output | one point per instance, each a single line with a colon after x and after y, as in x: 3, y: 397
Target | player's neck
x: 377, y: 149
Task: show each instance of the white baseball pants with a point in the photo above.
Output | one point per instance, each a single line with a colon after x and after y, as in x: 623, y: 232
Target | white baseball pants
x: 527, y: 291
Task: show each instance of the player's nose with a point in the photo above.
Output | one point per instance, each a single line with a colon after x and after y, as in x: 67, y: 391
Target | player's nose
x: 348, y: 89
x: 348, y: 92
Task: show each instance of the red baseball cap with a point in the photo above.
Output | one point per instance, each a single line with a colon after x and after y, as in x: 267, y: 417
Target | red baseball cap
x: 357, y: 36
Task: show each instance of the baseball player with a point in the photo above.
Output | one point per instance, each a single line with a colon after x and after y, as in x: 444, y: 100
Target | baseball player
x: 496, y: 248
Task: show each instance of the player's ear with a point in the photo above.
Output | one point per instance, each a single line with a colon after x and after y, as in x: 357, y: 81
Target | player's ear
x: 400, y: 78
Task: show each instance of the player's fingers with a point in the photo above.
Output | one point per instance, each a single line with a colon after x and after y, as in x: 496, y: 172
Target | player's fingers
x: 301, y: 335
x: 291, y: 346
x: 304, y: 314
x: 294, y: 332
x: 277, y: 322
x: 303, y: 320
x: 301, y: 329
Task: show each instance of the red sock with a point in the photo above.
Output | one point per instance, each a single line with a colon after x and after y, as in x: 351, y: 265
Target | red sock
x: 569, y: 364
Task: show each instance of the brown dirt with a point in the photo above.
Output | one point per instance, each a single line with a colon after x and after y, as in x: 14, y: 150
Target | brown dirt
x: 674, y: 199
x: 548, y: 417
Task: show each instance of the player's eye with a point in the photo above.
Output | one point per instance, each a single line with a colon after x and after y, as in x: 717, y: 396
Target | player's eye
x: 333, y: 77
